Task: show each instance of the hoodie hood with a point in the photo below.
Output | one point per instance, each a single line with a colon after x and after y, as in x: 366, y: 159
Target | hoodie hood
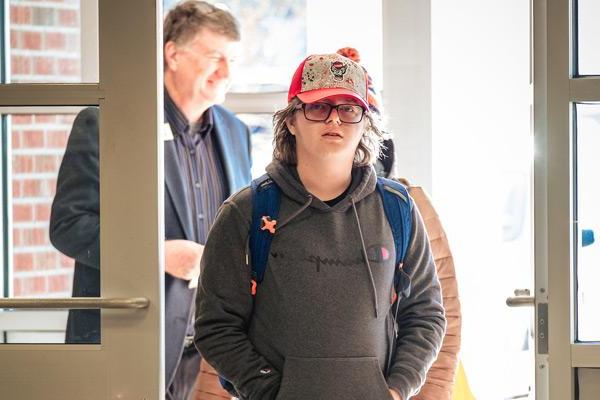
x: 364, y: 182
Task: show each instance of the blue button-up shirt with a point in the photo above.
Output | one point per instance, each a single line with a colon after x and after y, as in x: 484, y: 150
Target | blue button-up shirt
x: 202, y: 169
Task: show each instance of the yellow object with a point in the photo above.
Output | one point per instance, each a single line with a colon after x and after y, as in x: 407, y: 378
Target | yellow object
x: 462, y: 391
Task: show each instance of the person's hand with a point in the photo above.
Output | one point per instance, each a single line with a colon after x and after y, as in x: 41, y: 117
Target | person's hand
x: 395, y: 395
x: 182, y: 260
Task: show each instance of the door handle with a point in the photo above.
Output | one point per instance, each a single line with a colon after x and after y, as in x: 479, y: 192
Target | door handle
x: 76, y: 303
x: 522, y: 298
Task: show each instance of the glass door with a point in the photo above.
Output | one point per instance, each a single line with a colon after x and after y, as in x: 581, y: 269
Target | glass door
x: 566, y: 125
x: 60, y: 122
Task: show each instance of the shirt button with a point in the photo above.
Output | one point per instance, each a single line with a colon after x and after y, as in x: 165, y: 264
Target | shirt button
x: 192, y: 152
x: 200, y: 216
x: 197, y: 184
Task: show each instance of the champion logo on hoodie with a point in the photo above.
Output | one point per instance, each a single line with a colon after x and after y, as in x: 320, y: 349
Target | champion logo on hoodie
x: 378, y: 253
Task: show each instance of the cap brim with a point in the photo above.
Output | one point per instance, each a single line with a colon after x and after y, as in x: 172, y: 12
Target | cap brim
x: 319, y: 94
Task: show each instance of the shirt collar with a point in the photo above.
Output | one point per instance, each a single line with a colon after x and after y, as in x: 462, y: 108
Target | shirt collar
x: 181, y: 125
x: 207, y: 123
x: 174, y: 116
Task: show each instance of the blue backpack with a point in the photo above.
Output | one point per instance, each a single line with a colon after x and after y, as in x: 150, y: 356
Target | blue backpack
x: 266, y: 199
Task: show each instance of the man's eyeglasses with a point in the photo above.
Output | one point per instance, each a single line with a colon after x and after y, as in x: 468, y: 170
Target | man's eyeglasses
x: 320, y: 112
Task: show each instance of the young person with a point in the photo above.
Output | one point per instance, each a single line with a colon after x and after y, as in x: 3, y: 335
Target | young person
x: 323, y: 322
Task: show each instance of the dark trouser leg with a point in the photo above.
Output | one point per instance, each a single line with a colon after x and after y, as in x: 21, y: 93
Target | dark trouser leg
x: 184, y: 382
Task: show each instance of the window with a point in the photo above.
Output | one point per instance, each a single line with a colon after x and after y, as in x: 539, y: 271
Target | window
x: 261, y: 128
x: 36, y: 148
x: 588, y: 31
x: 46, y: 42
x: 588, y: 221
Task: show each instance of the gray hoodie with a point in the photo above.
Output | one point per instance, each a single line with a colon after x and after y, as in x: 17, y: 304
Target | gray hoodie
x: 319, y: 326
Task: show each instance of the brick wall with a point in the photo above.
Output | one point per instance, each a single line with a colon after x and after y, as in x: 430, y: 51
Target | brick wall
x: 45, y: 41
x: 45, y: 47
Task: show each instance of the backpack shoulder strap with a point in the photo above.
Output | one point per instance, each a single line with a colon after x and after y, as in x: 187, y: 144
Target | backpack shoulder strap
x: 266, y: 198
x: 398, y: 210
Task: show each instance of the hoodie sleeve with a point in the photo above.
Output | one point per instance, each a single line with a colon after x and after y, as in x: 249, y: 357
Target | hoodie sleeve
x: 224, y: 306
x: 420, y: 318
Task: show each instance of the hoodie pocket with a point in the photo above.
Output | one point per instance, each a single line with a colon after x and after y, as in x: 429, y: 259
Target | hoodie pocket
x: 333, y: 378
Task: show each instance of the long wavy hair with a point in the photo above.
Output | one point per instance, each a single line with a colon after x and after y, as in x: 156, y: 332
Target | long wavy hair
x: 284, y: 143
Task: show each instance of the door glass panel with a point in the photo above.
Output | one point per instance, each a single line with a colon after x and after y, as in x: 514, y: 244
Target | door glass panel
x: 38, y: 255
x: 52, y: 41
x: 588, y: 32
x: 588, y: 217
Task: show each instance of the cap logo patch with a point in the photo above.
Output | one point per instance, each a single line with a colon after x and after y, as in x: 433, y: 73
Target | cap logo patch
x: 338, y: 69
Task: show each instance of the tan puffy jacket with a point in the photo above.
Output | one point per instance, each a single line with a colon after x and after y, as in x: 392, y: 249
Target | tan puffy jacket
x: 440, y: 378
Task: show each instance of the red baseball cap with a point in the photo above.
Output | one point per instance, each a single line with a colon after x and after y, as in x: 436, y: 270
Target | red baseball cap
x: 324, y: 75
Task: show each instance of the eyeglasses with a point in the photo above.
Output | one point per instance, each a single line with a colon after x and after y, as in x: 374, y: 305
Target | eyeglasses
x: 320, y: 112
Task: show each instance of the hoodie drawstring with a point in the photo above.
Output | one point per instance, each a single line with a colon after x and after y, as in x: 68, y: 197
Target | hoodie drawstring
x: 364, y: 250
x: 296, y: 213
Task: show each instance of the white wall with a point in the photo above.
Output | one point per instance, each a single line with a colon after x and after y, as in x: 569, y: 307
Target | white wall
x: 407, y: 94
x: 331, y: 25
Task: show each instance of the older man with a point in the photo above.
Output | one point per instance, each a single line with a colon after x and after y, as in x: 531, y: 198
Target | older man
x: 207, y: 157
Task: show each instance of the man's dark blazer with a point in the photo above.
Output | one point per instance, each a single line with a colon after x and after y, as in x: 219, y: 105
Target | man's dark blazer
x: 75, y: 223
